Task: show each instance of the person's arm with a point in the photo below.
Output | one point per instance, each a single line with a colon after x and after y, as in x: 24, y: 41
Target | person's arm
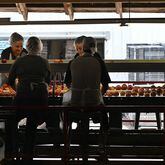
x: 105, y: 78
x: 68, y: 76
x: 47, y: 77
x: 97, y: 55
x: 13, y: 74
x: 5, y: 54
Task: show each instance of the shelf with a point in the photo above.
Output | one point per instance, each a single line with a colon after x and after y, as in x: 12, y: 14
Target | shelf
x: 112, y: 65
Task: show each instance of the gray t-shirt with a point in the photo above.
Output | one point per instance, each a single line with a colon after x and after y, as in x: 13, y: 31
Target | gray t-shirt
x: 86, y: 77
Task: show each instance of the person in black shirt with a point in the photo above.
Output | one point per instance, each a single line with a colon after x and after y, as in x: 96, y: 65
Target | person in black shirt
x: 11, y: 53
x: 16, y: 48
x: 33, y: 73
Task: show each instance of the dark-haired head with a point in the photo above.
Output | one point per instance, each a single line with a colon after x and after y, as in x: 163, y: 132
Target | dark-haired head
x: 79, y: 40
x: 89, y: 44
x: 78, y: 43
x: 15, y: 37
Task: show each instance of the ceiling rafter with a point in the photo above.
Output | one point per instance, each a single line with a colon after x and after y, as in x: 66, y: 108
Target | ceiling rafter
x: 119, y: 9
x: 22, y: 9
x: 66, y: 6
x: 69, y: 10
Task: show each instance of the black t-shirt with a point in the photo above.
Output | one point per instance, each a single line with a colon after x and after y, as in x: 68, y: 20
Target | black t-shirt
x: 27, y: 69
x: 32, y: 72
x: 105, y: 79
x: 6, y: 53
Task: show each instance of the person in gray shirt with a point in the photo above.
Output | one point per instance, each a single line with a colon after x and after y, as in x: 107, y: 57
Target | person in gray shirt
x: 86, y: 76
x: 86, y: 79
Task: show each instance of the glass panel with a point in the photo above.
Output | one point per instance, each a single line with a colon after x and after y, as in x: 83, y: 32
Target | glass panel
x: 139, y: 76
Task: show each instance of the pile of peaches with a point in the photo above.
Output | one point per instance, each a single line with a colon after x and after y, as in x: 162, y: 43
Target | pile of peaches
x: 59, y: 89
x: 133, y: 91
x: 6, y: 90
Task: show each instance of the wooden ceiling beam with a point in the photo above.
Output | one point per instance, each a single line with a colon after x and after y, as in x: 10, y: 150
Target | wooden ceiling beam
x: 75, y: 1
x: 144, y: 10
x: 69, y: 10
x: 61, y: 10
x: 22, y: 9
x: 119, y: 9
x: 89, y: 7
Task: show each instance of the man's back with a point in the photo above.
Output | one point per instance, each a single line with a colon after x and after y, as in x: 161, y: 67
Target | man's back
x: 86, y: 76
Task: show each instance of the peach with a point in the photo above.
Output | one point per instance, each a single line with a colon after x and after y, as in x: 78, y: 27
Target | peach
x: 147, y: 94
x: 135, y: 89
x: 4, y: 60
x: 141, y: 93
x: 108, y: 93
x: 57, y: 91
x: 122, y: 93
x: 141, y: 90
x: 163, y: 93
x: 128, y: 94
x: 159, y: 91
x: 147, y: 90
x: 116, y: 93
x: 118, y: 87
x: 111, y: 87
x: 4, y: 86
x: 133, y: 93
x: 129, y: 87
x: 153, y: 93
x: 124, y: 87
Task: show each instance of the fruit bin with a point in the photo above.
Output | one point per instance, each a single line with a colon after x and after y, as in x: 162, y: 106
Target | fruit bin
x: 136, y: 89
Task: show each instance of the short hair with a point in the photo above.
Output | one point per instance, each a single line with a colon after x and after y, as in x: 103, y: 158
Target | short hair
x: 34, y: 45
x: 88, y: 44
x: 79, y: 40
x: 15, y: 37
